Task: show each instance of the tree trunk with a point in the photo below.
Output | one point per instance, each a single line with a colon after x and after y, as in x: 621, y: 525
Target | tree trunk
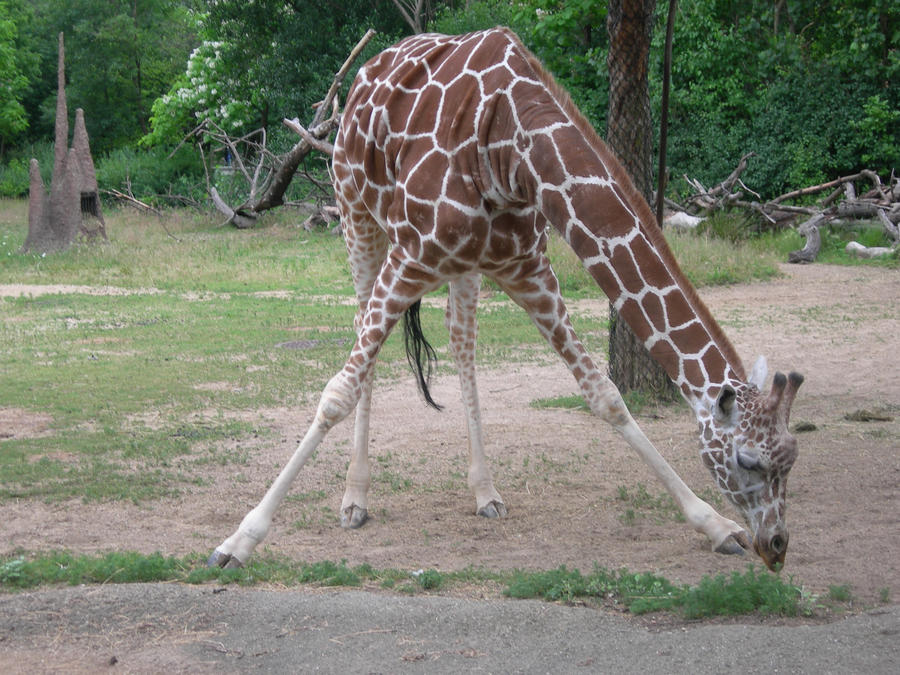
x: 629, y: 135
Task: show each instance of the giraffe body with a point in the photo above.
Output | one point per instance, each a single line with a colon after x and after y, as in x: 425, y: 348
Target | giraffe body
x: 453, y: 157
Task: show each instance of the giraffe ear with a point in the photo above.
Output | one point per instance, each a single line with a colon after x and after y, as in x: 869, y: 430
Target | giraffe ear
x: 758, y: 374
x: 725, y: 406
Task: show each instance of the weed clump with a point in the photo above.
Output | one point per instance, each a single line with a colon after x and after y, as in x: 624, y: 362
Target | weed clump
x: 747, y: 593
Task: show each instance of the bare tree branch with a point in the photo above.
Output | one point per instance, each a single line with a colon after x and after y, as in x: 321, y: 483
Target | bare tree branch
x: 270, y: 176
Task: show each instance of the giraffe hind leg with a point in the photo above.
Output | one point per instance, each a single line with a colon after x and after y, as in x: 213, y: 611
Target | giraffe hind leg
x: 462, y: 325
x: 367, y: 247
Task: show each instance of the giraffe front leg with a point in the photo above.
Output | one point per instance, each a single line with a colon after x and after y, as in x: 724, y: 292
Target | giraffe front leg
x: 336, y: 402
x: 462, y: 325
x: 367, y: 248
x: 341, y: 395
x: 539, y: 296
x: 725, y: 535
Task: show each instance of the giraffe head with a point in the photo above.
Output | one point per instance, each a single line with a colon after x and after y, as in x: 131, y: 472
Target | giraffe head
x: 746, y: 445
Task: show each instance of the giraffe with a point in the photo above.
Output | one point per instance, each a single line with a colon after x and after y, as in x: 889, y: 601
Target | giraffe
x: 454, y: 156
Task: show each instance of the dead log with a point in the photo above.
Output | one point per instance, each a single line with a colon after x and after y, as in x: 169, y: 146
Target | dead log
x: 720, y: 196
x: 132, y: 200
x: 810, y: 230
x: 855, y: 249
x: 839, y: 183
x: 891, y: 229
x: 324, y: 215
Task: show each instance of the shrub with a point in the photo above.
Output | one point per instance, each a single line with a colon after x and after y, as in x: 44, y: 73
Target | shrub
x: 14, y: 180
x: 151, y: 172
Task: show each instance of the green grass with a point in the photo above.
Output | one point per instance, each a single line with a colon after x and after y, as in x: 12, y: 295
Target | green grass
x: 840, y: 592
x: 183, y: 251
x: 566, y: 402
x: 640, y: 503
x: 144, y: 387
x: 747, y: 593
x: 752, y: 592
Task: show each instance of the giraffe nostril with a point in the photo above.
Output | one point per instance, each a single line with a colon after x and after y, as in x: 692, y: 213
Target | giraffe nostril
x: 777, y: 544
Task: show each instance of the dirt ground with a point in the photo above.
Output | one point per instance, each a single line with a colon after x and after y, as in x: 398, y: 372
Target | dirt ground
x: 563, y: 474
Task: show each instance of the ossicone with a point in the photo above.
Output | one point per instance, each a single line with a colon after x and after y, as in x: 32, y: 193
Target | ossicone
x: 784, y: 389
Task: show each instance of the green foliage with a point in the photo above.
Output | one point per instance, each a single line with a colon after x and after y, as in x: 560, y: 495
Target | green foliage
x: 839, y: 592
x: 746, y: 76
x: 754, y: 76
x: 637, y: 592
x: 571, y: 402
x: 429, y: 580
x: 72, y: 569
x: 748, y: 593
x: 151, y: 172
x: 263, y: 61
x: 201, y: 93
x: 878, y: 143
x: 147, y: 173
x: 14, y: 177
x: 18, y: 66
x: 759, y: 592
x: 480, y: 16
x: 120, y: 56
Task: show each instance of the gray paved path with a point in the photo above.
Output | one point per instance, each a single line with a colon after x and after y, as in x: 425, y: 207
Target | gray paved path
x: 175, y: 628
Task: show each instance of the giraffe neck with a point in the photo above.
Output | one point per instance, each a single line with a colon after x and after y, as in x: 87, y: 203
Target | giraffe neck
x: 586, y: 195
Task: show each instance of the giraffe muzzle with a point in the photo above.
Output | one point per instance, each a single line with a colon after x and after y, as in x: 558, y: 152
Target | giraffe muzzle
x: 771, y: 549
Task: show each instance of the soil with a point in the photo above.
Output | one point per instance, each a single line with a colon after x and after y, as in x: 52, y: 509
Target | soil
x: 576, y: 493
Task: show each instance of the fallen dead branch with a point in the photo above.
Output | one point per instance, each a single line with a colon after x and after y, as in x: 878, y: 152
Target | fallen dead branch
x: 131, y: 200
x: 841, y: 203
x: 268, y: 175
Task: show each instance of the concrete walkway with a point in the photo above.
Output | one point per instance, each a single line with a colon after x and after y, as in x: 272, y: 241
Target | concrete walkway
x: 177, y: 628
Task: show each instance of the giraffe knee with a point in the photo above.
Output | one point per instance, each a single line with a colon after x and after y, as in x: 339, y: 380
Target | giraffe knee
x: 610, y: 407
x: 616, y: 412
x: 337, y: 401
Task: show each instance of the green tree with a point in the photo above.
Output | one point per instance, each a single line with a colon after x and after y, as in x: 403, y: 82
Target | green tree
x: 791, y: 81
x: 18, y: 66
x: 120, y: 56
x: 809, y: 86
x: 272, y: 58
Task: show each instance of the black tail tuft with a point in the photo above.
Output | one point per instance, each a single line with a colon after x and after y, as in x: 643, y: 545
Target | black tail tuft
x: 419, y: 352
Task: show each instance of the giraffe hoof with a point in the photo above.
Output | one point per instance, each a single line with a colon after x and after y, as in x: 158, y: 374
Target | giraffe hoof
x: 354, y: 517
x: 493, y: 509
x: 734, y: 544
x: 224, y: 560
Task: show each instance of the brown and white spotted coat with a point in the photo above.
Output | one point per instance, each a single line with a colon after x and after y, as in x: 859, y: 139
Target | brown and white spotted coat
x: 454, y: 156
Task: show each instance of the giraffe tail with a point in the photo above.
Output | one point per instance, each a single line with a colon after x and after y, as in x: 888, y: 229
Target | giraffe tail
x: 419, y: 352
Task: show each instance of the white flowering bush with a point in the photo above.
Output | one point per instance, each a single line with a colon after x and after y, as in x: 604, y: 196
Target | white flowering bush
x: 207, y: 90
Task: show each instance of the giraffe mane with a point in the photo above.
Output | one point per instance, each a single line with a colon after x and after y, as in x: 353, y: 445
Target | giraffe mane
x: 637, y: 201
